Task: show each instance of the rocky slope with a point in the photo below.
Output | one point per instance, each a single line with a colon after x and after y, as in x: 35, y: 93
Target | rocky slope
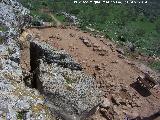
x: 16, y: 100
x: 63, y: 90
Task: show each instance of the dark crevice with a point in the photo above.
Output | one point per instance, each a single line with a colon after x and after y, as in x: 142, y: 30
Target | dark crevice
x: 35, y: 55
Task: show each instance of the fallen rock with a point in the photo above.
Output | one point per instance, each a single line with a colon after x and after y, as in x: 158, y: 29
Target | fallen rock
x: 115, y: 61
x: 86, y: 41
x: 52, y: 36
x: 109, y: 114
x: 106, y: 103
x: 121, y: 56
x: 131, y: 46
x: 98, y: 67
x: 120, y: 51
x: 71, y: 35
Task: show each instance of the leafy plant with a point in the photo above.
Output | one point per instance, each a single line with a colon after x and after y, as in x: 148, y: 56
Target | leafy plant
x: 1, y: 40
x: 155, y: 65
x: 21, y: 115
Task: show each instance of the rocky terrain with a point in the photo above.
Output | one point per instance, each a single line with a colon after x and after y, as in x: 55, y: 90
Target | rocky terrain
x: 38, y: 82
x: 65, y: 73
x: 115, y: 74
x: 16, y: 100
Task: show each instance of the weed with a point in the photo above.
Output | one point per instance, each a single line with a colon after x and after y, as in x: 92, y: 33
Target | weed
x: 21, y: 115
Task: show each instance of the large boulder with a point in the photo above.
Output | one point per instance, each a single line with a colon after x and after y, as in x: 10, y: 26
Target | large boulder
x: 71, y: 94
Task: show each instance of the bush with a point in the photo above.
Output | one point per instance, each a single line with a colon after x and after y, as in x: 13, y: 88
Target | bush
x: 1, y: 40
x: 155, y: 65
x: 122, y: 38
x: 21, y: 115
x: 36, y: 23
x: 45, y: 17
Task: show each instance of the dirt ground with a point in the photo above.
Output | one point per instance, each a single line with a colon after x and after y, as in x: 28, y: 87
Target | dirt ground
x: 114, y: 73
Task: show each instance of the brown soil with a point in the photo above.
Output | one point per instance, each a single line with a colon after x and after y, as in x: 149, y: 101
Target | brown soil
x: 115, y: 74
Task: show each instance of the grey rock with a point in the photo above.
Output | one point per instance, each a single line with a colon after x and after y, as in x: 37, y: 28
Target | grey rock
x: 15, y: 97
x: 86, y: 41
x: 120, y: 51
x: 70, y: 92
x: 106, y: 103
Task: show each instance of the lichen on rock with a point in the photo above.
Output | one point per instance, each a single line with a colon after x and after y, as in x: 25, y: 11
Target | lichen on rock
x: 70, y: 93
x: 15, y: 97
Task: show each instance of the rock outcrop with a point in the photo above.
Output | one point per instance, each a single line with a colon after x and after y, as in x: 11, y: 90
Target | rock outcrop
x: 16, y: 100
x: 70, y: 93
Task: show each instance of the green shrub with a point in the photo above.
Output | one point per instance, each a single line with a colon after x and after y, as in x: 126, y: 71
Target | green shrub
x: 36, y: 23
x: 155, y: 65
x: 1, y: 40
x: 140, y: 32
x: 21, y: 115
x: 122, y: 38
x: 60, y: 17
x: 45, y: 17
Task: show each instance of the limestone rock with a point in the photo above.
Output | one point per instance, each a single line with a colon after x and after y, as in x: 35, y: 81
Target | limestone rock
x: 16, y: 100
x: 71, y: 94
x: 106, y: 103
x: 120, y: 51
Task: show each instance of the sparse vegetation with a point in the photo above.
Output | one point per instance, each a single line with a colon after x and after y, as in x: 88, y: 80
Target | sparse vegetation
x: 155, y: 65
x: 68, y: 79
x: 123, y: 23
x: 1, y: 40
x: 60, y: 17
x: 21, y: 115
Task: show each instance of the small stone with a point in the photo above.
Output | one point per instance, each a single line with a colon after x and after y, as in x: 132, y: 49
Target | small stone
x: 106, y: 103
x: 120, y: 51
x: 71, y: 35
x: 86, y: 41
x: 121, y: 56
x: 116, y: 61
x: 97, y: 67
x: 51, y: 36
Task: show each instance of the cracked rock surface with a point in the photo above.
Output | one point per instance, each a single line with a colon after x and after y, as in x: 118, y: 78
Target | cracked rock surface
x: 16, y: 100
x: 71, y: 94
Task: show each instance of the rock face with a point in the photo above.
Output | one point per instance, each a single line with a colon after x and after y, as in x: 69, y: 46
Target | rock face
x: 70, y: 93
x: 16, y: 100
